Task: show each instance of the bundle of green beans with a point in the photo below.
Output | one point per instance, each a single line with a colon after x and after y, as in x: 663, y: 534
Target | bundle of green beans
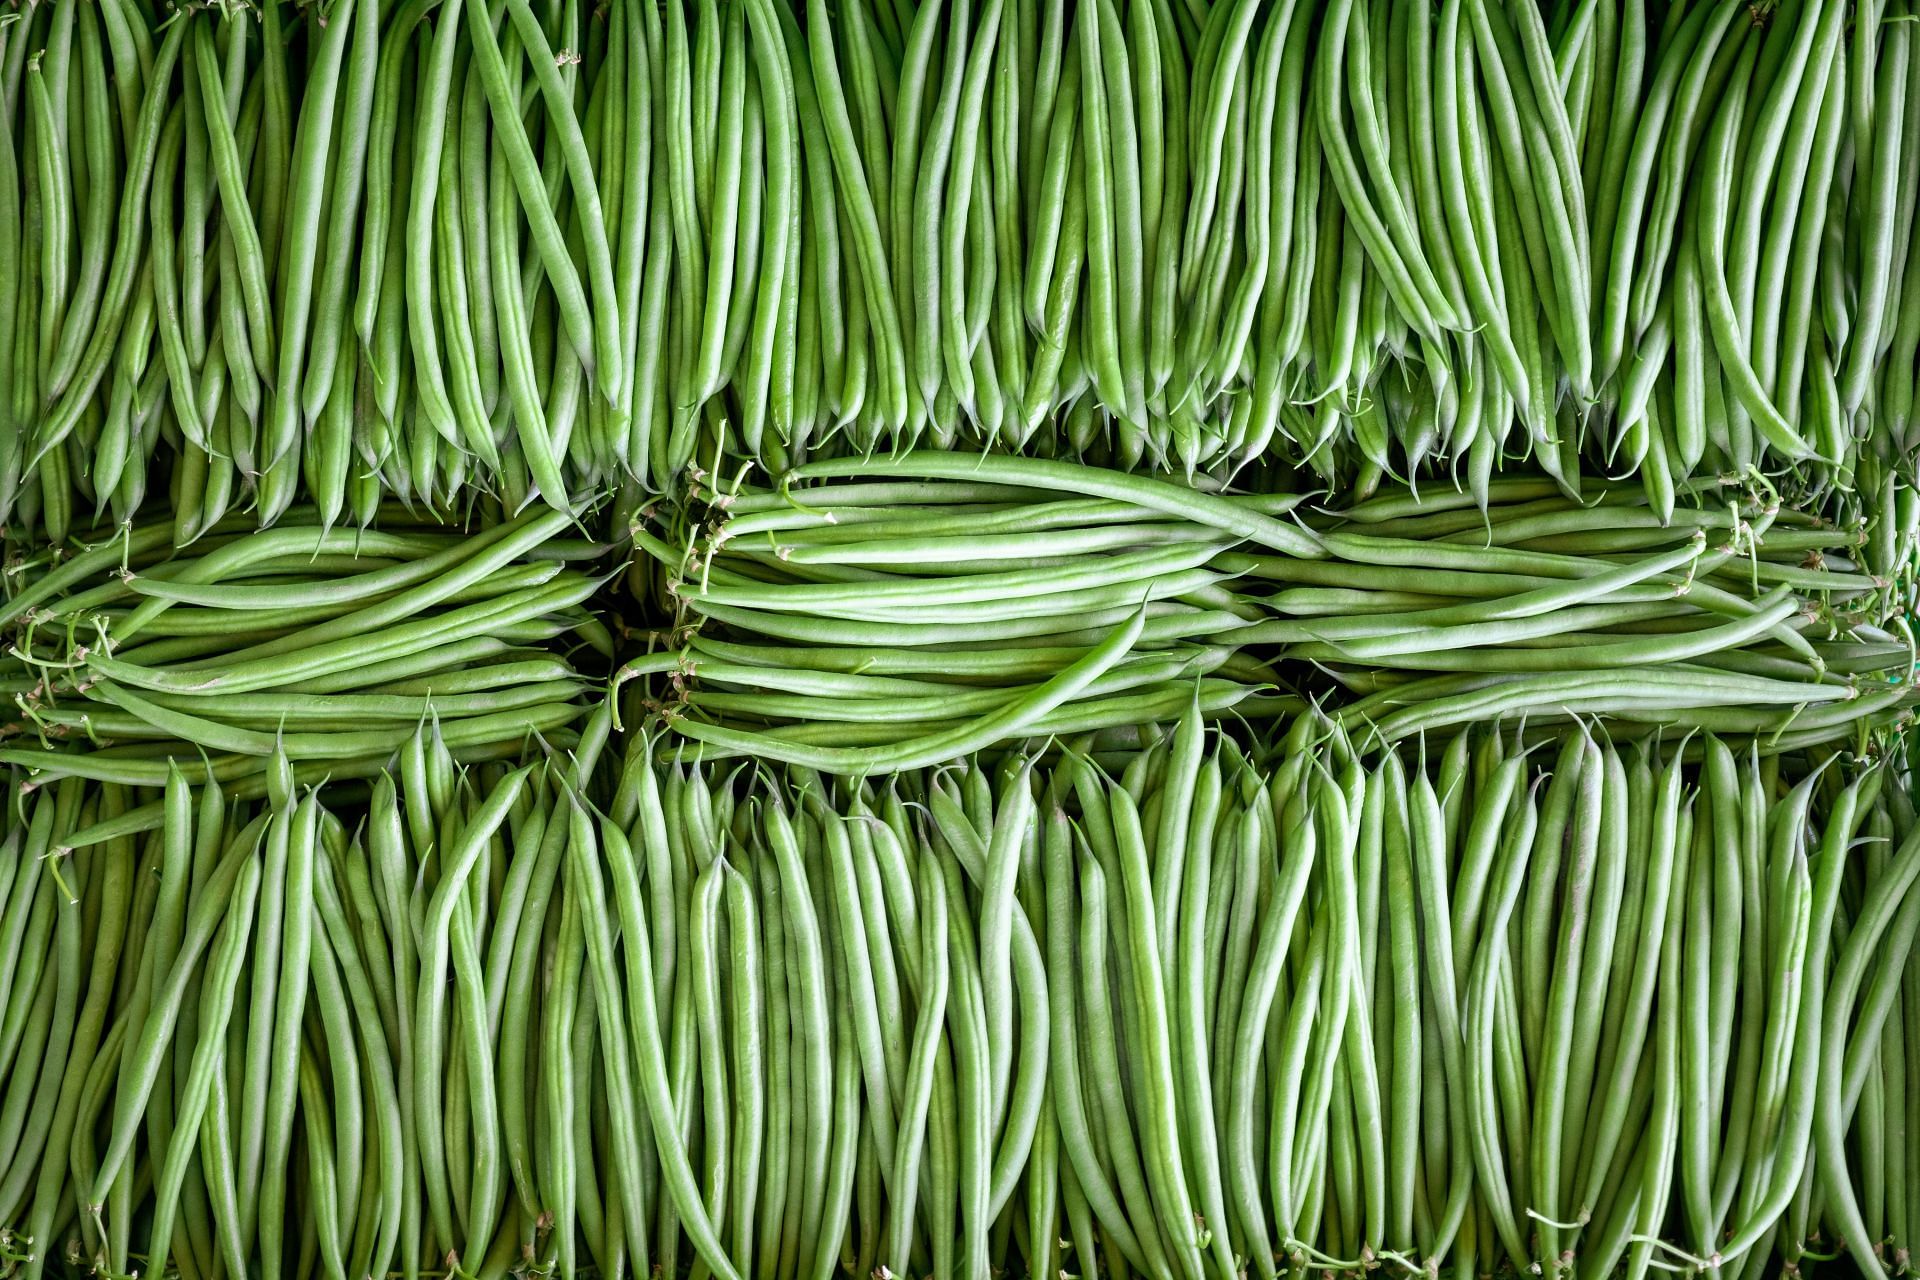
x: 1736, y: 615
x: 871, y: 615
x: 1169, y: 1008
x: 541, y: 248
x: 237, y: 1079
x: 328, y: 645
x: 886, y: 623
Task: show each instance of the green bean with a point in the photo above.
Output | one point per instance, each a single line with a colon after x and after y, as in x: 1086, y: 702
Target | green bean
x: 843, y: 1159
x: 55, y: 199
x: 223, y: 973
x: 853, y: 940
x: 1411, y: 282
x: 1066, y: 1080
x: 876, y: 281
x: 957, y: 334
x: 482, y: 1202
x: 430, y: 1014
x: 604, y: 358
x: 429, y: 140
x: 681, y: 1185
x: 1208, y: 509
x: 237, y: 213
x: 1882, y: 166
x: 96, y: 211
x: 311, y: 143
x: 959, y: 1174
x: 1019, y: 1139
x: 1875, y: 916
x: 784, y: 115
x: 104, y: 903
x: 704, y: 938
x: 1730, y: 344
x: 1163, y: 1163
x: 282, y: 1065
x: 1480, y: 1121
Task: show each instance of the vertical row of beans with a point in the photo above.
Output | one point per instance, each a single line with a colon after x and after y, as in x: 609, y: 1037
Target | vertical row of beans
x: 545, y: 249
x: 1167, y: 1008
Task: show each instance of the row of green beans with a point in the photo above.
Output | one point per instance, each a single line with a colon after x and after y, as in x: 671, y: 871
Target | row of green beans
x: 1174, y: 1007
x: 899, y: 613
x: 331, y: 251
x: 327, y: 646
x: 871, y: 615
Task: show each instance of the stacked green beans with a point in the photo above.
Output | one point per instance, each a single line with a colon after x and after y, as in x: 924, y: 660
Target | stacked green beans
x: 1168, y: 1007
x: 886, y: 623
x: 1731, y: 614
x: 131, y: 658
x: 239, y: 1064
x: 1257, y: 637
x: 330, y: 251
x: 871, y: 615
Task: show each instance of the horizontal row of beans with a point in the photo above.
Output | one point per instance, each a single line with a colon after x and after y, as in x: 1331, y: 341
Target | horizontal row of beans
x: 1172, y: 1009
x: 281, y: 253
x: 901, y: 612
x: 896, y: 612
x: 327, y: 646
